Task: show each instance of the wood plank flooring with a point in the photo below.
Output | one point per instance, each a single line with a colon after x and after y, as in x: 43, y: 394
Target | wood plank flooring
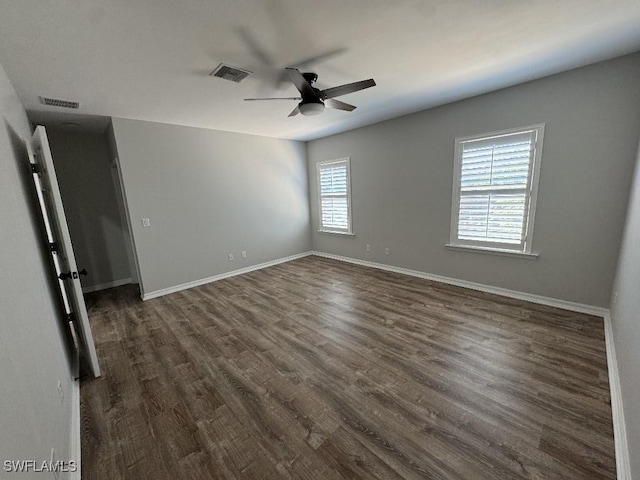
x: 317, y: 369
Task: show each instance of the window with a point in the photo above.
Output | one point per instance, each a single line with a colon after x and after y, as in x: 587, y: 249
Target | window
x: 335, y: 195
x: 494, y: 189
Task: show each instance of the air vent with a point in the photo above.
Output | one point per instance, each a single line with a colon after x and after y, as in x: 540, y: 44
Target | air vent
x: 55, y: 102
x: 227, y: 72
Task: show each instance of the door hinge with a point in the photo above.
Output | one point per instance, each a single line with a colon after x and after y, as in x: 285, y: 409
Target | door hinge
x: 35, y: 168
x: 53, y: 247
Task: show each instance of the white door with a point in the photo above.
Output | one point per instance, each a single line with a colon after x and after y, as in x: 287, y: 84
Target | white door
x: 46, y: 183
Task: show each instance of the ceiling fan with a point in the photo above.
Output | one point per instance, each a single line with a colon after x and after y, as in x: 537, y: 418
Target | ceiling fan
x: 313, y: 100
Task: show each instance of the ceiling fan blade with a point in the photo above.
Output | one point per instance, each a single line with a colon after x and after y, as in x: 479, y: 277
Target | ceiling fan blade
x: 318, y: 58
x: 300, y: 82
x: 305, y: 62
x: 348, y: 88
x: 338, y: 105
x: 255, y: 48
x: 294, y: 112
x: 273, y: 98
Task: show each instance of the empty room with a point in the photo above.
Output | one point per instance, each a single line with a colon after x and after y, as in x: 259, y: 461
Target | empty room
x: 284, y: 239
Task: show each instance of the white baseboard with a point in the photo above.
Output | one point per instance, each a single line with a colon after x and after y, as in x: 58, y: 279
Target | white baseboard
x: 623, y: 465
x: 222, y: 276
x: 552, y: 302
x: 75, y: 450
x: 104, y: 286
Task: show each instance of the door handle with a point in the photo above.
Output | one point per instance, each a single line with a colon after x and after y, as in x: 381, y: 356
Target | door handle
x: 67, y: 275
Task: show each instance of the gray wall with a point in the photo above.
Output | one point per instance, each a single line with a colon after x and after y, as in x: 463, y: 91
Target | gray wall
x: 32, y: 349
x: 625, y: 317
x: 402, y: 172
x: 88, y: 194
x: 209, y: 193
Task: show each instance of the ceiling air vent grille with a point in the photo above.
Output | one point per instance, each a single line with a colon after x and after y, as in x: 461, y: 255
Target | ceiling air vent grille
x: 55, y: 102
x: 227, y: 72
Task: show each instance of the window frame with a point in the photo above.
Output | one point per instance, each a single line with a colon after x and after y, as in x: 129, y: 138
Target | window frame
x: 531, y: 194
x: 338, y: 231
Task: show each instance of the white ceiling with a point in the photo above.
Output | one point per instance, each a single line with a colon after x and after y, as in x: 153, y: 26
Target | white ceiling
x: 150, y: 59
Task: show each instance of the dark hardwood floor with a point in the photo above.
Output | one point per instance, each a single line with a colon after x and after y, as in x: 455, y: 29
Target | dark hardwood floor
x: 317, y: 369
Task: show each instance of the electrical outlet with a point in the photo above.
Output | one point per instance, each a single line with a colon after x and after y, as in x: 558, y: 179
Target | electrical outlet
x: 60, y: 392
x: 146, y: 222
x: 368, y: 247
x: 244, y: 254
x: 615, y: 298
x: 386, y: 250
x: 230, y: 257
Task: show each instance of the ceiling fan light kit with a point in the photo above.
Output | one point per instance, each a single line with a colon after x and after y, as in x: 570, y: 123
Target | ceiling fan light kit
x: 314, y: 100
x: 310, y: 109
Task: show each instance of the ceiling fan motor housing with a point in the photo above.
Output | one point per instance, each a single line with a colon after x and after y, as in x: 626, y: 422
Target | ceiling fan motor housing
x: 311, y: 104
x: 310, y: 77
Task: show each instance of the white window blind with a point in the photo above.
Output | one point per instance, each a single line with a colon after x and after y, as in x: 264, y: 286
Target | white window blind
x: 493, y: 189
x: 334, y: 189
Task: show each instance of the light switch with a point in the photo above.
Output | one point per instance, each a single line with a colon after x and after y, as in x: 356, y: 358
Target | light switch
x: 146, y: 222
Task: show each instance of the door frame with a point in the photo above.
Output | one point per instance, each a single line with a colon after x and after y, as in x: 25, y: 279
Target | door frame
x: 131, y: 247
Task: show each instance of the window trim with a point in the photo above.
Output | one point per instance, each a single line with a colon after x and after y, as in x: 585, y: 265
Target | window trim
x: 531, y: 190
x: 338, y: 231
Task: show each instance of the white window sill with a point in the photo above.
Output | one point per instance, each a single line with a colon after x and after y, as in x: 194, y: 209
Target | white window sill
x: 493, y: 251
x: 331, y: 232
